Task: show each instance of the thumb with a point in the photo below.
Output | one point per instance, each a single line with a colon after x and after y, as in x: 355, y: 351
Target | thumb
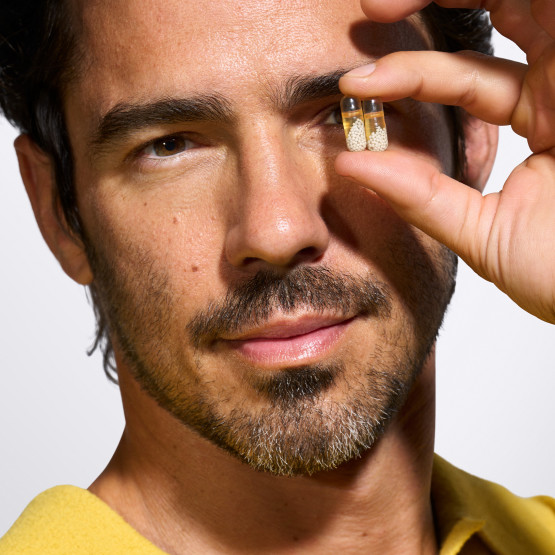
x: 447, y: 210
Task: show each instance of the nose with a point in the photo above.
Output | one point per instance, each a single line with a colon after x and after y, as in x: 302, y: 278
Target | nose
x: 278, y: 221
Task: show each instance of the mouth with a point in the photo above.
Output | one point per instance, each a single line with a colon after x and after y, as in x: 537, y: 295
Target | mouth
x: 289, y: 342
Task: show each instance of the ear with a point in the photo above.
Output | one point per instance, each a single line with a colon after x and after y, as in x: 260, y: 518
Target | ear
x: 37, y: 173
x: 481, y: 140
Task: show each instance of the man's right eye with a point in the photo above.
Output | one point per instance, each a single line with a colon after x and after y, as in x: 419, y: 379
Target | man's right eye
x: 167, y: 147
x: 334, y: 117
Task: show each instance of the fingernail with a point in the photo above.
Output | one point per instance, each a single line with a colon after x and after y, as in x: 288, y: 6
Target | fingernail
x: 362, y: 71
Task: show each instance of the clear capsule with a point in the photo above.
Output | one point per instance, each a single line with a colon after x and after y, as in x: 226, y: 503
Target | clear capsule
x: 374, y: 125
x: 353, y: 123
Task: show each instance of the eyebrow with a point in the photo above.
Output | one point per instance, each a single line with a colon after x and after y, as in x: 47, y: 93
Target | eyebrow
x: 304, y: 88
x: 124, y: 119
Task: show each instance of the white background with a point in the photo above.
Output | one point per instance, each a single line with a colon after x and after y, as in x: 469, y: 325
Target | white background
x: 60, y: 419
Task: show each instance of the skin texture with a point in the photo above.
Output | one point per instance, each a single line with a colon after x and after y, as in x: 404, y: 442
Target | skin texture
x: 171, y: 240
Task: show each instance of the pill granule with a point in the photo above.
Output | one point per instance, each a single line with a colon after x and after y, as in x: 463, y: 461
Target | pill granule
x: 356, y: 139
x: 378, y: 140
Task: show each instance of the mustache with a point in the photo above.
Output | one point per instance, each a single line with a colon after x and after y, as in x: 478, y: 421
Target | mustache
x: 317, y: 289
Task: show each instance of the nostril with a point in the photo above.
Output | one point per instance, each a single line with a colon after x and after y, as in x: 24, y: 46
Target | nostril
x: 249, y: 260
x: 308, y: 253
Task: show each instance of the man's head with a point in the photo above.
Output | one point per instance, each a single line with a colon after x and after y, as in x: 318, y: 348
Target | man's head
x: 274, y: 308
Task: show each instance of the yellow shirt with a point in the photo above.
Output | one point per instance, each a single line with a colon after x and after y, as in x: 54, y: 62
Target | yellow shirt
x: 472, y: 516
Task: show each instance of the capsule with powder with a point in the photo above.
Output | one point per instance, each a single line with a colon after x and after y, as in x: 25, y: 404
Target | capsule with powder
x: 374, y: 125
x: 353, y: 123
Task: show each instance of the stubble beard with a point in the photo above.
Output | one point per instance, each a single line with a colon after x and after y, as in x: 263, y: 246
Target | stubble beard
x: 300, y: 426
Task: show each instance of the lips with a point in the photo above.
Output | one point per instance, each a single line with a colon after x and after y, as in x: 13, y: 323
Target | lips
x: 284, y: 342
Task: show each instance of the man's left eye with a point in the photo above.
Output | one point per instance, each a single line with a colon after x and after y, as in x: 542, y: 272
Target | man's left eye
x: 334, y: 117
x: 167, y: 147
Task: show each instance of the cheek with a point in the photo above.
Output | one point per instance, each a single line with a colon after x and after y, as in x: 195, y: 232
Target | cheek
x: 426, y: 131
x: 181, y: 239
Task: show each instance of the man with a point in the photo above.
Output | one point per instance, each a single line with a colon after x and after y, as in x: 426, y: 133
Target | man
x: 273, y: 324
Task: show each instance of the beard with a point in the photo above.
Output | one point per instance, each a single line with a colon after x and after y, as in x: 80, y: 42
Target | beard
x: 294, y: 421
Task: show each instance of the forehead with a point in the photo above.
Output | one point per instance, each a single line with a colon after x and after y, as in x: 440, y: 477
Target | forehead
x: 136, y: 49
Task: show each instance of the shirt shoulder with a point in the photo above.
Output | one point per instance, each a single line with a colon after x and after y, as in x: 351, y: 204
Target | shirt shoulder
x: 66, y: 520
x: 468, y: 507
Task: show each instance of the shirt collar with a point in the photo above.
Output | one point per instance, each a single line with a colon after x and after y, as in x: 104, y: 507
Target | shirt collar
x: 465, y: 505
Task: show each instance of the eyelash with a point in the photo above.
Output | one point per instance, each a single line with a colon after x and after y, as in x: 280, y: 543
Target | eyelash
x: 183, y: 145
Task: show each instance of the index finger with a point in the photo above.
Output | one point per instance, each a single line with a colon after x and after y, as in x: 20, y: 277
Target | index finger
x: 467, y: 79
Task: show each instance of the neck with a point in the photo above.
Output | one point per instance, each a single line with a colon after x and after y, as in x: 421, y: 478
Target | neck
x: 186, y: 495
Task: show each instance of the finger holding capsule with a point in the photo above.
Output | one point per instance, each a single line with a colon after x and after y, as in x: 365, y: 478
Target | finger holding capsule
x: 353, y: 123
x: 374, y: 125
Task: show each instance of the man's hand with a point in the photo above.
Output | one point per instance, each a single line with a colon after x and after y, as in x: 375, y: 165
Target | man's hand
x: 506, y: 237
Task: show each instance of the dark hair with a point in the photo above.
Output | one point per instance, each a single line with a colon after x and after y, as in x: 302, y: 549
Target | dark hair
x: 453, y: 30
x: 39, y: 56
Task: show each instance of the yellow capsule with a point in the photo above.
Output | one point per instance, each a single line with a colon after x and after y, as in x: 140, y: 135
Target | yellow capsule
x: 353, y: 123
x: 374, y: 125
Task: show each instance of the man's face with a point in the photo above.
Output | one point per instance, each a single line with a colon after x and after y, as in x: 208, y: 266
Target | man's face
x: 270, y: 305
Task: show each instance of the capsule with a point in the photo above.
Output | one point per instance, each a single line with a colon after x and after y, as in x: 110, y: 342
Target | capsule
x: 353, y: 123
x: 374, y: 125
